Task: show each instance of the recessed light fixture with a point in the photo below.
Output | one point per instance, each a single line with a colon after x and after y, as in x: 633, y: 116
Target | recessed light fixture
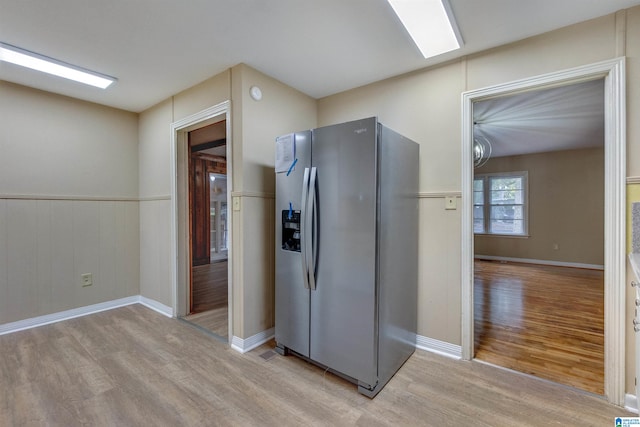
x: 430, y: 24
x: 25, y: 58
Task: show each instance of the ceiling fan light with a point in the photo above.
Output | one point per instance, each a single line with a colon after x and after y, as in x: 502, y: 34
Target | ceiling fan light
x: 481, y: 151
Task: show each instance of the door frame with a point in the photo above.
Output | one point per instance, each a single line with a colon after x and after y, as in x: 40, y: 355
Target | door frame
x: 180, y: 245
x: 613, y: 73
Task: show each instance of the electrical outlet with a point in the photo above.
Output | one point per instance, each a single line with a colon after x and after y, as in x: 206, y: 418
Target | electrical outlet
x: 87, y: 279
x: 556, y: 247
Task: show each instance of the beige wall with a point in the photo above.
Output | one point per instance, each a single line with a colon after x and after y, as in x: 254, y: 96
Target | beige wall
x: 155, y: 180
x: 74, y: 148
x: 580, y: 44
x: 155, y: 202
x: 633, y: 91
x: 426, y: 106
x: 54, y: 145
x: 68, y: 203
x: 566, y: 207
x: 254, y: 126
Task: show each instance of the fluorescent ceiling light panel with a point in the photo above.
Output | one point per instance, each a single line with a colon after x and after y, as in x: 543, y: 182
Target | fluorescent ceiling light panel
x: 24, y: 58
x: 430, y: 24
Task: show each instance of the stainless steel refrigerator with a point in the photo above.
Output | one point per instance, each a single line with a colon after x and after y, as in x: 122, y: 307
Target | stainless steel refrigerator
x: 347, y: 249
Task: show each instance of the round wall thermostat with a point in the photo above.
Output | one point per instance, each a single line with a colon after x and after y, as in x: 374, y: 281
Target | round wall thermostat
x: 255, y: 93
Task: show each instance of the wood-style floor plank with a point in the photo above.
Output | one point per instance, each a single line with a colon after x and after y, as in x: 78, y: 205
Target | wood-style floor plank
x: 215, y: 321
x: 134, y: 367
x: 210, y: 298
x: 542, y: 320
x: 209, y: 286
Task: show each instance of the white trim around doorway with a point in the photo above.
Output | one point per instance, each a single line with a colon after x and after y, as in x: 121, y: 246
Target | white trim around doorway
x: 613, y: 72
x: 179, y: 205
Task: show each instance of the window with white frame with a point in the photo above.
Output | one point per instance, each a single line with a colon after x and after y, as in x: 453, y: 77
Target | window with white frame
x: 500, y: 203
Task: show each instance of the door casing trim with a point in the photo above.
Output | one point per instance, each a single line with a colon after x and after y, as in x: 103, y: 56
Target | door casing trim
x: 180, y: 250
x: 613, y: 73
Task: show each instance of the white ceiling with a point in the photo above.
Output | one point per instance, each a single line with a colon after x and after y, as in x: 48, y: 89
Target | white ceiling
x: 156, y: 48
x: 561, y: 118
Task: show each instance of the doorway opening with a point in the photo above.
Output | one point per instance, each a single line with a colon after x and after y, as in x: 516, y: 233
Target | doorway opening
x: 613, y: 76
x: 539, y: 233
x: 209, y: 230
x: 201, y: 222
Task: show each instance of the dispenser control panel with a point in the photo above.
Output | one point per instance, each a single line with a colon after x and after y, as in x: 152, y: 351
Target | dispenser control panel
x: 291, y: 230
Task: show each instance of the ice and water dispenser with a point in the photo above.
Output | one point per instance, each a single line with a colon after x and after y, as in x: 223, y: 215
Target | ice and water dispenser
x: 291, y: 230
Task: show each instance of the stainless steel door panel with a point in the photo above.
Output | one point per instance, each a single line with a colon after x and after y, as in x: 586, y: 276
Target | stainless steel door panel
x: 292, y: 299
x: 343, y: 306
x: 398, y: 251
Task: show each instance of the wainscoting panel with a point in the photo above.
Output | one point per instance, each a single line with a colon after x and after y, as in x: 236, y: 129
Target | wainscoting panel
x: 46, y: 244
x: 155, y: 250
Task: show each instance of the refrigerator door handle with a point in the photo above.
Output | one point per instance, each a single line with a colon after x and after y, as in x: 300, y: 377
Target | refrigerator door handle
x: 303, y: 228
x: 312, y: 232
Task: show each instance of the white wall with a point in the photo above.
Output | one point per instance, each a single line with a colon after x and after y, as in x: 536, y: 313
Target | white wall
x: 68, y: 203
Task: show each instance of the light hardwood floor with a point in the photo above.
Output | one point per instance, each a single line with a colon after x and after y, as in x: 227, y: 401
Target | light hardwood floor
x: 209, y: 286
x: 210, y: 298
x: 543, y: 320
x: 134, y: 367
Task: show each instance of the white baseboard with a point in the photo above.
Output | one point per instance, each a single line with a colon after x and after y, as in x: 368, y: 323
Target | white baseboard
x: 248, y: 344
x: 631, y: 403
x: 455, y: 351
x: 65, y: 315
x: 156, y: 306
x: 540, y: 261
x: 440, y: 347
x: 422, y: 343
x: 34, y: 322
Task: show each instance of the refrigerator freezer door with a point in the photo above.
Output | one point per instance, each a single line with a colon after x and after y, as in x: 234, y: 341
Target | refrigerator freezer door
x: 292, y: 298
x: 398, y: 174
x: 343, y: 305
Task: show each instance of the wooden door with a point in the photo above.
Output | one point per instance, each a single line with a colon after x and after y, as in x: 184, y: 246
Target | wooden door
x: 199, y: 197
